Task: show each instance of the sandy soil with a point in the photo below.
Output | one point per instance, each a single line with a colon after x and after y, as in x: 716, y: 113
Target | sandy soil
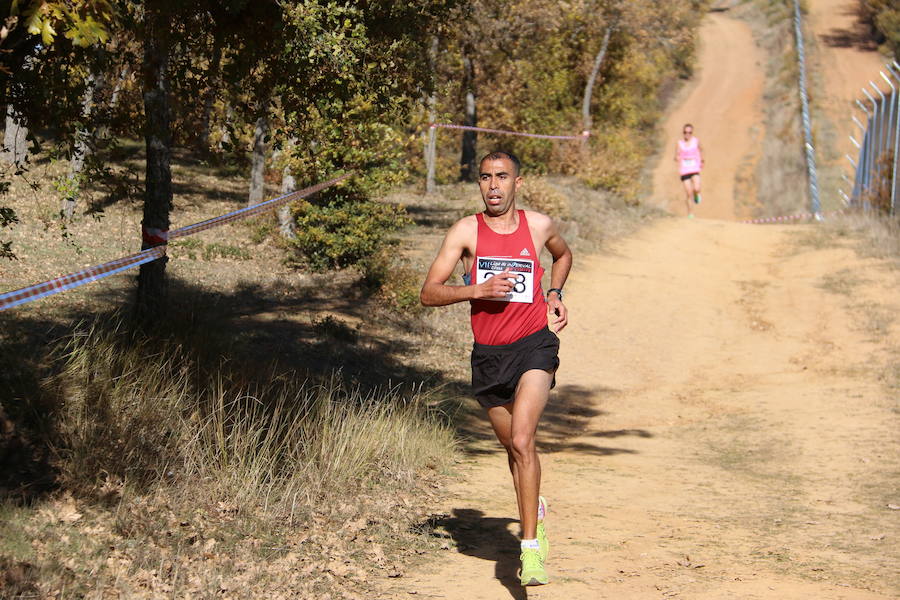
x: 724, y: 105
x: 724, y: 425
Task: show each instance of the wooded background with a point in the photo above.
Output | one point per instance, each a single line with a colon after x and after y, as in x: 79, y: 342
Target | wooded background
x: 307, y: 89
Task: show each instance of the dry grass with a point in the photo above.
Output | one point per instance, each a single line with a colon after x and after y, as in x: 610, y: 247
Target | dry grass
x: 193, y: 478
x: 780, y: 174
x: 870, y: 234
x: 842, y: 282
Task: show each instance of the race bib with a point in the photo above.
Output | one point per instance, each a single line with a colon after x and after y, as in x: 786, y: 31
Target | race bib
x: 521, y: 270
x: 689, y: 162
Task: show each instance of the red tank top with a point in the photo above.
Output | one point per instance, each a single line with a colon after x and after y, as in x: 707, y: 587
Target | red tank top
x: 501, y: 322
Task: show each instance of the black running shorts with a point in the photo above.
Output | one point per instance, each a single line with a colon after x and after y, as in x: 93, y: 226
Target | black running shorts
x: 496, y: 369
x: 687, y: 176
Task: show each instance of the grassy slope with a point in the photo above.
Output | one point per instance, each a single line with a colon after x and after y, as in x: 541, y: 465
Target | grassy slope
x: 127, y: 467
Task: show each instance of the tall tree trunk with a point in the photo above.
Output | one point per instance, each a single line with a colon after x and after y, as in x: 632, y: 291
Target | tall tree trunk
x: 258, y: 158
x: 117, y: 88
x: 82, y: 147
x: 103, y: 131
x: 288, y: 184
x: 431, y: 141
x: 467, y: 166
x: 212, y: 85
x: 15, y: 142
x: 586, y: 120
x: 225, y: 141
x: 152, y: 288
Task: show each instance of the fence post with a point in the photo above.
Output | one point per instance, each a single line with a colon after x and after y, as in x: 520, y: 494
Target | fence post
x: 871, y: 146
x: 896, y: 118
x: 857, y: 192
x: 890, y: 121
x: 807, y: 127
x: 881, y: 133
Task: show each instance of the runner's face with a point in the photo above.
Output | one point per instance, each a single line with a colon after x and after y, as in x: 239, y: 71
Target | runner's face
x: 688, y: 132
x: 498, y: 182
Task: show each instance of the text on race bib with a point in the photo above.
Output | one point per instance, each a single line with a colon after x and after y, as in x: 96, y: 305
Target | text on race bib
x: 521, y: 274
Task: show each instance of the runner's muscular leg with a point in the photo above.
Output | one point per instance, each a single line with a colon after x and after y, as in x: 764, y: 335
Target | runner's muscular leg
x: 515, y: 425
x: 501, y: 421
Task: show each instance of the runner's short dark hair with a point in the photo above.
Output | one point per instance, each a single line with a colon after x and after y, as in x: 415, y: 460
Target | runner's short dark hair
x: 501, y: 154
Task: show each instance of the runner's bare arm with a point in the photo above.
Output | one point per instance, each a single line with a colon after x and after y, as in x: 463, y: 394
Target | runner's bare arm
x: 562, y: 264
x: 436, y: 292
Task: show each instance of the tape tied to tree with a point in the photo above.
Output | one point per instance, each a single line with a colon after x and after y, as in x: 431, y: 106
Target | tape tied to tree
x: 154, y: 237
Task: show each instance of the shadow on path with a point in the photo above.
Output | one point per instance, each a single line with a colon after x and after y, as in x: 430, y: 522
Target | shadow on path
x: 487, y: 538
x: 567, y: 421
x: 858, y: 35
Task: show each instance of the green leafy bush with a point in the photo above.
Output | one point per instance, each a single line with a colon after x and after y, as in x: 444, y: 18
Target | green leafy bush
x: 341, y: 235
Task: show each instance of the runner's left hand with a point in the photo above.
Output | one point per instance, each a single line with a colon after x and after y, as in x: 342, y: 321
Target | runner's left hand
x: 556, y: 308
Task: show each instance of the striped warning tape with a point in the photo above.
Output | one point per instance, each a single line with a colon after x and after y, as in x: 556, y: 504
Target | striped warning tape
x: 74, y: 280
x: 97, y: 272
x: 786, y: 218
x: 583, y: 135
x: 256, y: 209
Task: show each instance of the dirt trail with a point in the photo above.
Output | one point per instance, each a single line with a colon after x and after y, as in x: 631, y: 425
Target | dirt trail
x: 719, y: 432
x: 724, y: 105
x: 722, y: 428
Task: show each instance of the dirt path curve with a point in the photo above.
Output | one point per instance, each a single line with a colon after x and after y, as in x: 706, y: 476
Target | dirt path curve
x: 724, y: 105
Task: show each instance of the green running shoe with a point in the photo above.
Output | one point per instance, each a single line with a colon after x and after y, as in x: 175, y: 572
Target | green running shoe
x: 541, y: 532
x: 532, y: 572
x: 696, y: 198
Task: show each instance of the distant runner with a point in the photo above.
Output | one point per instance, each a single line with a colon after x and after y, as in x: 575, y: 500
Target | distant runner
x: 514, y: 357
x: 689, y: 156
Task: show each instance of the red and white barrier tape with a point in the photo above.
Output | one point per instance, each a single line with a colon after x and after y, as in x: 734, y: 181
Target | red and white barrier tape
x: 74, y: 280
x: 583, y: 135
x: 796, y: 217
x: 149, y: 235
x: 256, y: 209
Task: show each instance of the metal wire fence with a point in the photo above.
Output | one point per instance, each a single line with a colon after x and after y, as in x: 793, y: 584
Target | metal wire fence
x: 876, y: 166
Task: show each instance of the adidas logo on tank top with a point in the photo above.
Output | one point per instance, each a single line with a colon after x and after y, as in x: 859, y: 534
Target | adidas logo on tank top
x: 524, y: 252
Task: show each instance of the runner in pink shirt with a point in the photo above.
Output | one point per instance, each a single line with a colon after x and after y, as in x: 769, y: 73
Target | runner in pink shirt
x: 689, y: 156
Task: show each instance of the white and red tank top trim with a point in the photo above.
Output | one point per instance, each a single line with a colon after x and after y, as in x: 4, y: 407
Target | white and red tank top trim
x: 497, y: 323
x: 689, y: 158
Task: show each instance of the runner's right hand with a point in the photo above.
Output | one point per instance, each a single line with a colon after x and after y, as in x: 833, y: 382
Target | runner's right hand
x: 497, y: 286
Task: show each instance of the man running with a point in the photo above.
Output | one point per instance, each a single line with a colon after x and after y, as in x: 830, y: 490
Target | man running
x: 514, y: 357
x: 689, y: 156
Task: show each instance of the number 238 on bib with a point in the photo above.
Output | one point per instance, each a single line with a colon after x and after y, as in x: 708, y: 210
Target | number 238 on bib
x: 521, y: 274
